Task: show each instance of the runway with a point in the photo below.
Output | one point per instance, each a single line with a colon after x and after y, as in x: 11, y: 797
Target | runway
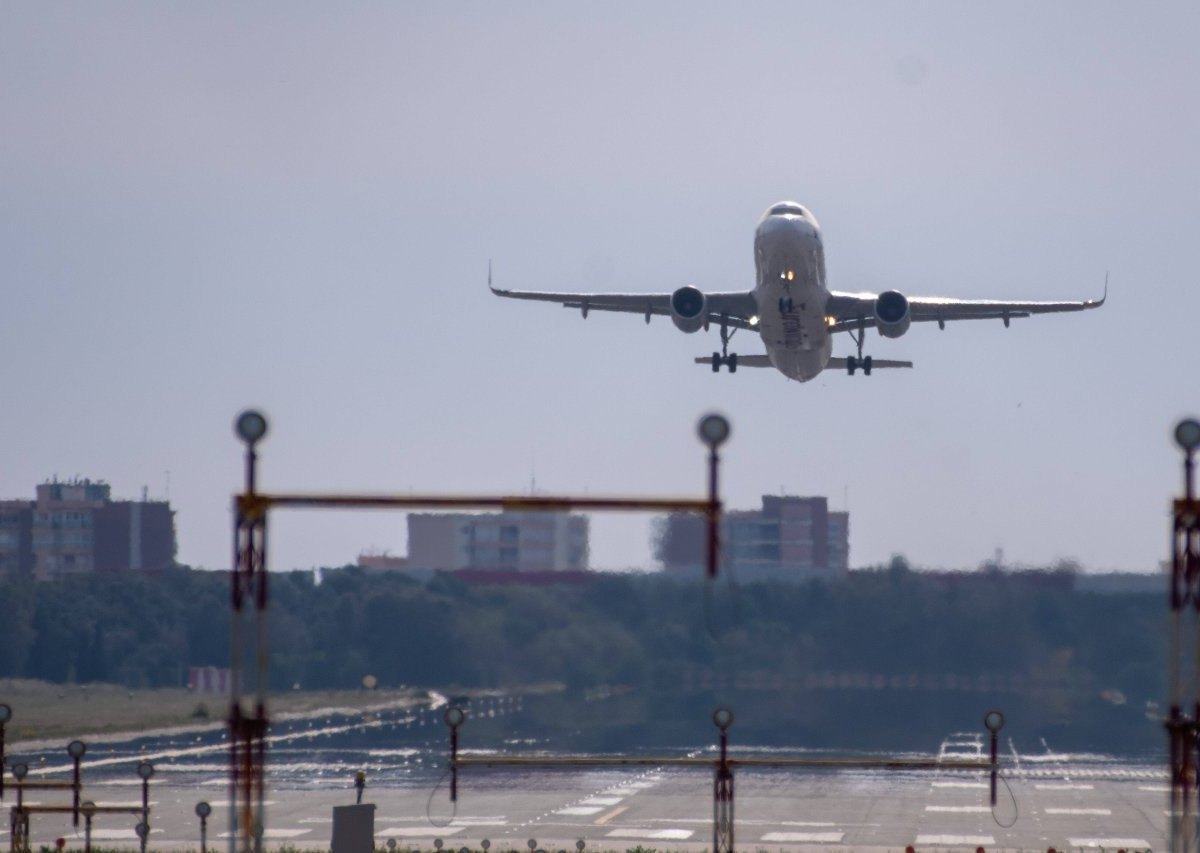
x: 1047, y: 799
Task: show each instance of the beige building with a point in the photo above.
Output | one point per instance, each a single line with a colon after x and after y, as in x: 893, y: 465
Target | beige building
x: 498, y: 542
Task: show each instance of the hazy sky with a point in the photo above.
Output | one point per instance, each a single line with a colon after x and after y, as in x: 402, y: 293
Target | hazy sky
x: 293, y: 205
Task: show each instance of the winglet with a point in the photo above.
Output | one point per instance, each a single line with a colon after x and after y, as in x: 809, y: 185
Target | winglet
x: 496, y: 290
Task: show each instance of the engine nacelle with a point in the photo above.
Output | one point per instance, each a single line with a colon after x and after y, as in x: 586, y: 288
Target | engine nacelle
x: 891, y: 314
x: 689, y: 309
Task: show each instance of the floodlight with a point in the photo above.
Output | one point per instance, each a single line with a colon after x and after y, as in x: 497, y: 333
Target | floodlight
x: 713, y: 430
x: 1187, y: 434
x: 723, y: 718
x: 145, y: 770
x: 76, y: 749
x: 20, y: 771
x: 454, y: 716
x: 251, y: 426
x: 88, y: 808
x: 994, y: 721
x: 5, y: 713
x: 203, y: 809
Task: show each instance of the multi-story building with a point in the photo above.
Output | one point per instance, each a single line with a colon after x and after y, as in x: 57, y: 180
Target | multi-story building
x: 790, y: 538
x: 76, y: 527
x: 505, y: 542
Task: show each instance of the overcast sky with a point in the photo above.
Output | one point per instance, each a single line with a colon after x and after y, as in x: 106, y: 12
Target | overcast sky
x: 209, y: 206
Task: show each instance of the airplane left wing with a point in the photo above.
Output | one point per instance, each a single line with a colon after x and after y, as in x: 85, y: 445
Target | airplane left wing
x: 857, y: 310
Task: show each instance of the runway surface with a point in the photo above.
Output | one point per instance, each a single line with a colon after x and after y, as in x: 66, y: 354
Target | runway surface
x: 1046, y: 799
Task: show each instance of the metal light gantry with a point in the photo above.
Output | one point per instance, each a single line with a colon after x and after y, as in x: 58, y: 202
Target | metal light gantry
x: 248, y: 723
x: 722, y: 764
x: 1182, y: 721
x: 21, y: 812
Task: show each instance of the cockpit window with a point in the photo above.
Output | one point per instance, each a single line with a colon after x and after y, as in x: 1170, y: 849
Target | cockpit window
x: 787, y: 208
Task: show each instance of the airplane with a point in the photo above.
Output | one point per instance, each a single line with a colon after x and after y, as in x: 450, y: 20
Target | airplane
x: 791, y: 307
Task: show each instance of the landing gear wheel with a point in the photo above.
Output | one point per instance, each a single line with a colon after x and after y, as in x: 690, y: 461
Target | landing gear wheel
x: 732, y: 362
x: 851, y: 365
x: 716, y: 362
x: 867, y: 366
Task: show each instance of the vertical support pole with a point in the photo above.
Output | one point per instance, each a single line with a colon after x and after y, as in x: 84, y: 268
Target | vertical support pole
x: 5, y: 716
x: 87, y: 832
x: 723, y: 819
x: 248, y: 727
x: 1185, y: 589
x: 454, y: 717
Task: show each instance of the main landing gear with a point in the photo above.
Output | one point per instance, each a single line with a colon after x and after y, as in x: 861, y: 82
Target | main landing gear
x: 853, y: 363
x: 725, y: 356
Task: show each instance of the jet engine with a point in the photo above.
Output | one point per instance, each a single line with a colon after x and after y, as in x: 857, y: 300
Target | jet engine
x: 891, y: 314
x: 689, y: 308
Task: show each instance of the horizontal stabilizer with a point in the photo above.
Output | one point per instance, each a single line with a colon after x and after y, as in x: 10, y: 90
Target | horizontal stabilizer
x: 742, y: 360
x: 876, y: 364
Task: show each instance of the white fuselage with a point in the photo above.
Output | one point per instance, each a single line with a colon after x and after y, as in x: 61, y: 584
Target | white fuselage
x: 790, y: 291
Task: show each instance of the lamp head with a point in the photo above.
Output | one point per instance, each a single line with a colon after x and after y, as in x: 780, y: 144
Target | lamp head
x: 723, y: 718
x: 713, y: 430
x: 1187, y: 435
x: 76, y: 749
x: 145, y: 770
x: 993, y: 721
x: 203, y: 809
x: 251, y: 426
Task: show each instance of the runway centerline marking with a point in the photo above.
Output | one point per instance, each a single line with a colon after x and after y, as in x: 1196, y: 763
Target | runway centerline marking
x: 811, y: 837
x: 1079, y: 811
x: 1109, y: 842
x: 605, y: 818
x: 655, y: 834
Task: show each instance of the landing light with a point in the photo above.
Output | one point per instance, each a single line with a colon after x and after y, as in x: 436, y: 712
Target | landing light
x: 790, y: 275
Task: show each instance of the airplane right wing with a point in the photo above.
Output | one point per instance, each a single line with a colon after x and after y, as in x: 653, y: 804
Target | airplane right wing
x: 735, y: 308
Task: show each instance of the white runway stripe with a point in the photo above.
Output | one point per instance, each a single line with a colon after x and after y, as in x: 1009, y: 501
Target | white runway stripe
x: 1061, y: 786
x: 1079, y: 811
x: 800, y: 837
x: 276, y: 833
x: 983, y: 785
x: 1106, y: 843
x: 959, y: 809
x: 655, y: 834
x: 418, y: 831
x: 580, y: 810
x: 955, y: 840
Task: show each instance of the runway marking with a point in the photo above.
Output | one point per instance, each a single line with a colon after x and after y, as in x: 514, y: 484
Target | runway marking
x: 117, y: 834
x: 419, y: 831
x: 480, y: 820
x: 1052, y: 786
x: 316, y: 820
x: 982, y: 785
x: 800, y: 823
x: 579, y: 810
x: 605, y: 818
x: 124, y: 804
x: 1109, y: 842
x: 272, y: 833
x: 1155, y: 789
x: 959, y: 809
x: 813, y: 837
x: 224, y: 804
x: 1078, y: 811
x: 600, y: 801
x: 655, y: 834
x: 956, y: 840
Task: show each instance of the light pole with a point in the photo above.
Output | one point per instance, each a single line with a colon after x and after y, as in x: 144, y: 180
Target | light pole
x: 203, y: 810
x: 76, y: 749
x: 1185, y: 575
x: 714, y: 431
x: 145, y: 770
